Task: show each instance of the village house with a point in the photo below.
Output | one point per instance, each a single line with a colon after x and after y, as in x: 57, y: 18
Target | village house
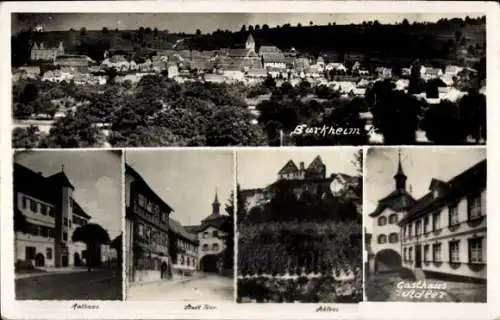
x: 272, y: 57
x: 147, y: 230
x: 40, y: 51
x: 73, y: 63
x: 183, y: 250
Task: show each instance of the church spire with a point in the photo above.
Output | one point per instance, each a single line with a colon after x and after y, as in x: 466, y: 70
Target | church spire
x: 400, y: 177
x: 216, y: 205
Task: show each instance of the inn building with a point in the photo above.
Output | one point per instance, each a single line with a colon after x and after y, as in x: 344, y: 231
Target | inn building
x: 147, y: 231
x: 51, y: 215
x: 183, y: 249
x: 442, y: 234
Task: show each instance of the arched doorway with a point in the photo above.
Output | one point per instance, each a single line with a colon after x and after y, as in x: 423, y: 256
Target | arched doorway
x: 77, y: 260
x: 39, y: 260
x: 387, y: 260
x: 209, y: 263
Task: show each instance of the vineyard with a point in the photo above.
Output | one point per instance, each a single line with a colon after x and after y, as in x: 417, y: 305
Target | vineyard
x: 283, y: 261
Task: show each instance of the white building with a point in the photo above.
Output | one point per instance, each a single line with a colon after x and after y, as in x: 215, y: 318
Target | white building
x: 444, y: 232
x: 51, y: 216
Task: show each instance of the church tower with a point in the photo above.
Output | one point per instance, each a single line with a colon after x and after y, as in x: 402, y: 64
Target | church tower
x: 250, y: 44
x: 216, y: 205
x: 400, y: 177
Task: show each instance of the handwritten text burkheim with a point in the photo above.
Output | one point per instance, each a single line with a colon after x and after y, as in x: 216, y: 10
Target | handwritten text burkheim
x: 304, y: 129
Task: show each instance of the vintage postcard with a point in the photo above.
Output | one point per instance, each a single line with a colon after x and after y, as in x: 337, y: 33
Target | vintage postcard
x: 249, y: 159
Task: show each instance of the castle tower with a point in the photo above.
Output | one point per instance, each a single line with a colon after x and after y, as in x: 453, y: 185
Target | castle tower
x: 400, y: 177
x: 250, y: 43
x: 216, y: 205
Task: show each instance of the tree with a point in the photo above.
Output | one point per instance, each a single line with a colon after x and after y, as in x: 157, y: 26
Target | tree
x: 444, y: 125
x: 75, y: 130
x: 472, y: 107
x: 198, y: 32
x: 25, y: 138
x: 230, y: 126
x: 93, y: 235
x: 395, y: 116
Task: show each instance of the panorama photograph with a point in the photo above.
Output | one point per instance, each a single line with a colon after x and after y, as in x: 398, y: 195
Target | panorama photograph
x: 247, y: 79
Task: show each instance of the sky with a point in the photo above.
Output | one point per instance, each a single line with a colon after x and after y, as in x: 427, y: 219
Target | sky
x: 96, y: 176
x: 420, y: 165
x: 187, y: 179
x: 206, y: 22
x: 259, y: 168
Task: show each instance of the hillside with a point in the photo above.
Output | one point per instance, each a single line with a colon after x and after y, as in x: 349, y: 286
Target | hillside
x: 370, y: 40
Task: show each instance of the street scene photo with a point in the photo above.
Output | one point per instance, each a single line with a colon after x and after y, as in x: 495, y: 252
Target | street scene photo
x: 425, y: 224
x: 247, y: 79
x: 299, y: 231
x: 68, y: 225
x: 179, y: 225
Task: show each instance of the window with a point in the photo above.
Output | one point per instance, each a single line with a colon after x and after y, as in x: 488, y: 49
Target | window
x: 393, y: 219
x: 182, y: 259
x: 426, y: 224
x: 382, y: 239
x: 426, y: 253
x: 45, y: 232
x: 417, y: 227
x: 476, y: 250
x: 65, y: 221
x: 409, y: 230
x: 25, y: 202
x: 163, y: 217
x: 141, y: 201
x: 51, y: 212
x: 50, y: 233
x: 148, y: 233
x: 453, y: 212
x: 205, y: 247
x: 410, y: 253
x: 405, y: 253
x: 436, y: 252
x: 65, y: 236
x: 140, y: 230
x: 205, y: 235
x: 382, y: 221
x: 30, y: 253
x: 454, y: 251
x: 33, y: 206
x: 43, y: 209
x: 436, y: 221
x: 215, y: 246
x: 49, y: 253
x: 474, y: 206
x: 215, y: 234
x: 393, y: 237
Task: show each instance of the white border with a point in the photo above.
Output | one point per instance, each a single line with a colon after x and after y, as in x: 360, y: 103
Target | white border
x: 130, y: 310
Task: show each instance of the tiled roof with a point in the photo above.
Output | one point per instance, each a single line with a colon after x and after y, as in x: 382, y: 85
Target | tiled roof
x: 473, y: 178
x: 178, y: 229
x: 77, y: 209
x: 273, y: 57
x: 289, y: 167
x: 269, y: 49
x: 397, y: 200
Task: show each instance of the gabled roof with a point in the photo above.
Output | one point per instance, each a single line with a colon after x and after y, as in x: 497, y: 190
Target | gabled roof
x: 215, y: 223
x: 60, y: 179
x: 473, y: 178
x: 289, y: 167
x: 315, y: 163
x: 178, y: 229
x: 145, y: 187
x: 269, y: 49
x: 397, y: 200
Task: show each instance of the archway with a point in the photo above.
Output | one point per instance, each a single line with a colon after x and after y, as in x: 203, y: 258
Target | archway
x: 209, y: 263
x: 77, y: 260
x: 39, y: 260
x: 387, y: 260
